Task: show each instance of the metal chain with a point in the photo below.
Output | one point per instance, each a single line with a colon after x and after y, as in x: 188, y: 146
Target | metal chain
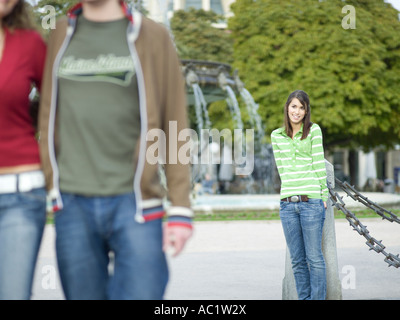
x: 372, y: 243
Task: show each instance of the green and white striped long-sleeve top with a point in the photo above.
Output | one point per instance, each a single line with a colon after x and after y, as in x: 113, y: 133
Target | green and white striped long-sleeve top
x: 301, y: 163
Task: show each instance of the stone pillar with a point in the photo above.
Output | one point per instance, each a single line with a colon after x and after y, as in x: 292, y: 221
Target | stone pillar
x: 179, y: 4
x: 206, y: 5
x: 226, y: 5
x: 333, y: 286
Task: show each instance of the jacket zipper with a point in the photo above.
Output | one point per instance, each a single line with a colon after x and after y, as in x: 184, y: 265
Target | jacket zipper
x: 131, y: 37
x: 55, y: 192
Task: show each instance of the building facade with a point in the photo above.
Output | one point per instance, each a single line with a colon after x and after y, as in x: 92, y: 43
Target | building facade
x: 377, y: 170
x: 161, y: 10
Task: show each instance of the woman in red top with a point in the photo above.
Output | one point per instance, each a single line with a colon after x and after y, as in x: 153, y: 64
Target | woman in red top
x: 22, y: 192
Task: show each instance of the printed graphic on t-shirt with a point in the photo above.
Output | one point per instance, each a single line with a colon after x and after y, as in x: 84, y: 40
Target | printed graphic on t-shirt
x: 104, y: 68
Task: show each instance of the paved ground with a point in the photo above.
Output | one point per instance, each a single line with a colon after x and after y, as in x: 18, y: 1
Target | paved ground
x: 246, y: 259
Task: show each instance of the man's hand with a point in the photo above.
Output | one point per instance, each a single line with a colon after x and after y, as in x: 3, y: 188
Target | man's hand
x: 175, y: 237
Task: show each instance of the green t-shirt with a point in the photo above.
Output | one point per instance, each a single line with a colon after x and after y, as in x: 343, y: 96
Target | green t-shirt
x: 98, y: 110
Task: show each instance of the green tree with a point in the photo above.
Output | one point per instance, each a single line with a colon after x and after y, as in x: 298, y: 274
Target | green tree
x: 196, y: 37
x: 351, y: 75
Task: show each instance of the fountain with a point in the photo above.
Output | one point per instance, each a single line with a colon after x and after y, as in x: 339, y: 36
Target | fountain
x: 207, y: 82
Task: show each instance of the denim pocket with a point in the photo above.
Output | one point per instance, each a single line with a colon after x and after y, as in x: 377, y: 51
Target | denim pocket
x: 316, y: 202
x: 67, y: 199
x: 33, y: 195
x: 315, y: 205
x: 32, y: 204
x: 283, y: 205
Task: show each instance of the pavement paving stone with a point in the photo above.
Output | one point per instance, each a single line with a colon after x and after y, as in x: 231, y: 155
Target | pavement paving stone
x: 245, y: 260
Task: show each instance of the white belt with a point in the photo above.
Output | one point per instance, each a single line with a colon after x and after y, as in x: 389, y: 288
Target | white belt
x: 22, y: 182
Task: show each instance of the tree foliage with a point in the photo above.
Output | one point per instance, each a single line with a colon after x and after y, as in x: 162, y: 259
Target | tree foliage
x: 351, y: 75
x: 196, y: 37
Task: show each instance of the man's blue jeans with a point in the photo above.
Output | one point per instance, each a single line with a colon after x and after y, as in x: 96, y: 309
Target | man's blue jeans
x: 302, y: 225
x: 88, y: 229
x: 22, y: 220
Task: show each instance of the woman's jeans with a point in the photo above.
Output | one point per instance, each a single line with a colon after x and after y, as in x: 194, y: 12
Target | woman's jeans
x: 22, y: 220
x: 302, y: 225
x: 92, y: 232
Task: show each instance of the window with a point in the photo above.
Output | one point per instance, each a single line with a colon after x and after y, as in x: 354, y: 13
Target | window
x: 196, y: 4
x: 216, y: 6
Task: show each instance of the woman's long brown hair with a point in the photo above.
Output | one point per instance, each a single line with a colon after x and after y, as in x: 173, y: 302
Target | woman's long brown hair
x: 19, y: 18
x: 305, y: 101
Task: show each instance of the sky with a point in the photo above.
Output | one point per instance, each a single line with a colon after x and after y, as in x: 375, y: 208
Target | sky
x: 394, y: 3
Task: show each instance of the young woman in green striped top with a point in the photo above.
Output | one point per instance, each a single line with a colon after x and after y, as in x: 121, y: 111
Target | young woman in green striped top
x: 299, y: 156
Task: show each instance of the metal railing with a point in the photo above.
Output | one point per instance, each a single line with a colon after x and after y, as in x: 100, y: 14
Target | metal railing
x: 372, y: 243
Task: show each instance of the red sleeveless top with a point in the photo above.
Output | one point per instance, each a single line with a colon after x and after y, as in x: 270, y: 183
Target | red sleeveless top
x: 21, y: 66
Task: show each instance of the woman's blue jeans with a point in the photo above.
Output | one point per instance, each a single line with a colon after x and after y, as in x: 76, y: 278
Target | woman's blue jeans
x: 302, y: 225
x: 88, y: 229
x: 22, y: 220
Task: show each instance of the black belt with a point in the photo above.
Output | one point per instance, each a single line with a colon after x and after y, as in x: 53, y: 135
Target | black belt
x: 295, y: 199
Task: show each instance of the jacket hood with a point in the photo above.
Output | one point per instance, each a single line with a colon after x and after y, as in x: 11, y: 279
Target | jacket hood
x: 76, y: 10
